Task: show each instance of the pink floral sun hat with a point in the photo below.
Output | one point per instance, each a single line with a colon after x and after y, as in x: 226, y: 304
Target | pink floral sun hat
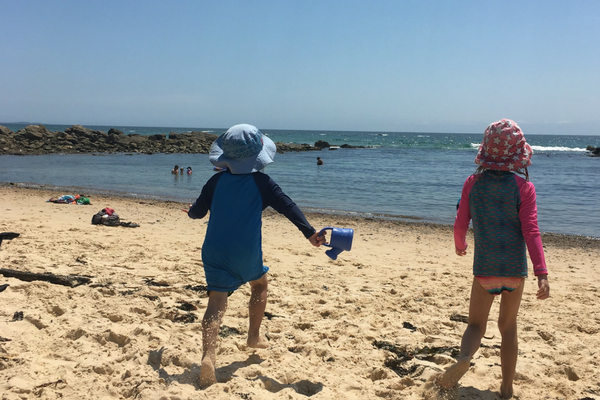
x: 504, y: 147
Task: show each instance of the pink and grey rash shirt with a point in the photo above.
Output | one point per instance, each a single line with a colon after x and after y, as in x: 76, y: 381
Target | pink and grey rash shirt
x: 504, y: 212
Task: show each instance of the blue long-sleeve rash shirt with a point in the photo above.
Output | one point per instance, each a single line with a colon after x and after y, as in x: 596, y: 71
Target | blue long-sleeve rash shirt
x: 232, y: 249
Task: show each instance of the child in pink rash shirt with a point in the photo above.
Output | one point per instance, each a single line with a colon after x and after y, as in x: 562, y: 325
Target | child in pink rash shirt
x: 503, y: 208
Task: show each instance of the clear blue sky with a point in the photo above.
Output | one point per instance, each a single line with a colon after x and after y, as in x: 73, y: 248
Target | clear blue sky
x: 424, y: 66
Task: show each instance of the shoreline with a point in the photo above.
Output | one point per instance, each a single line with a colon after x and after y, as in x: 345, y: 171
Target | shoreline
x: 555, y: 238
x: 337, y: 329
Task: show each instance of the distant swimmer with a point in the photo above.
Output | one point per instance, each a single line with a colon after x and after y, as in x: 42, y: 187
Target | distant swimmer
x: 319, y: 161
x: 175, y: 170
x: 189, y: 170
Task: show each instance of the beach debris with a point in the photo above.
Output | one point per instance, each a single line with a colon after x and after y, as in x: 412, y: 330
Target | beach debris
x: 152, y: 282
x: 8, y: 236
x: 50, y: 384
x: 271, y: 316
x: 397, y: 366
x: 3, y: 339
x: 17, y: 316
x: 295, y: 349
x: 408, y: 325
x: 3, y: 287
x: 459, y: 318
x: 65, y: 280
x: 197, y: 288
x: 401, y: 355
x: 39, y: 389
x: 185, y: 306
x: 226, y: 331
x: 176, y: 316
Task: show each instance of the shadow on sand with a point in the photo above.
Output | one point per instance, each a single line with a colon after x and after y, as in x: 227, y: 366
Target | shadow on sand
x: 191, y: 375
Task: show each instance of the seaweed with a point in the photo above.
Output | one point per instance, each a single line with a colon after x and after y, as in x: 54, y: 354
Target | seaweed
x: 400, y: 355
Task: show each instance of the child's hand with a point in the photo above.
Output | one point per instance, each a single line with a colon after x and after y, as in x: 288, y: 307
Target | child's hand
x: 317, y: 240
x: 544, y: 287
x: 461, y: 252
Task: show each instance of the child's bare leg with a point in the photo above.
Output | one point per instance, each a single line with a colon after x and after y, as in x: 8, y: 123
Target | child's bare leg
x: 256, y: 308
x: 217, y: 304
x: 507, y: 324
x: 479, y: 309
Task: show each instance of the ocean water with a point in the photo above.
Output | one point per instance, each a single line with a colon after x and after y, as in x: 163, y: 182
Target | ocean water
x: 412, y: 176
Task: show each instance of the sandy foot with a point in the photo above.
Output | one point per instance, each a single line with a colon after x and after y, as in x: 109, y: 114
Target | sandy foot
x: 258, y: 343
x: 433, y: 391
x: 452, y: 375
x: 207, y: 373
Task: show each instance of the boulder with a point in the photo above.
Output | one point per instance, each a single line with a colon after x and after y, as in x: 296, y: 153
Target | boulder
x: 158, y: 136
x: 114, y: 131
x: 321, y: 144
x: 5, y: 131
x: 35, y: 132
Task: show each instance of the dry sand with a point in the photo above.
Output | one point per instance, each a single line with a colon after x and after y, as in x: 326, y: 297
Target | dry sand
x: 376, y: 323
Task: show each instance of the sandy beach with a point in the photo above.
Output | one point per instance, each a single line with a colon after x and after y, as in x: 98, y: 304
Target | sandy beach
x: 374, y: 324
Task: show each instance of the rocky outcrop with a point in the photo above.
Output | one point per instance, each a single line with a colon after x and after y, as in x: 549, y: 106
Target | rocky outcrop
x: 593, y: 151
x: 37, y: 139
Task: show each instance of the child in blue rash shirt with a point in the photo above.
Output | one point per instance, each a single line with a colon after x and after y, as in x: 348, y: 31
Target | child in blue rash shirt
x: 232, y: 251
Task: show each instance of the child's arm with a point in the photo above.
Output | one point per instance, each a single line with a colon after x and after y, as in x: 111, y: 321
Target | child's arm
x: 273, y: 196
x: 529, y: 227
x: 463, y: 217
x: 201, y: 206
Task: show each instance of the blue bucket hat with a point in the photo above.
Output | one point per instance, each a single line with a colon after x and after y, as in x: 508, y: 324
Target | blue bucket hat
x: 243, y: 149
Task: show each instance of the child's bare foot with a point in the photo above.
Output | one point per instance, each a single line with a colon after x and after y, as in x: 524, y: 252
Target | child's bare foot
x: 258, y: 342
x: 506, y: 392
x: 207, y: 373
x: 433, y: 391
x: 452, y: 375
